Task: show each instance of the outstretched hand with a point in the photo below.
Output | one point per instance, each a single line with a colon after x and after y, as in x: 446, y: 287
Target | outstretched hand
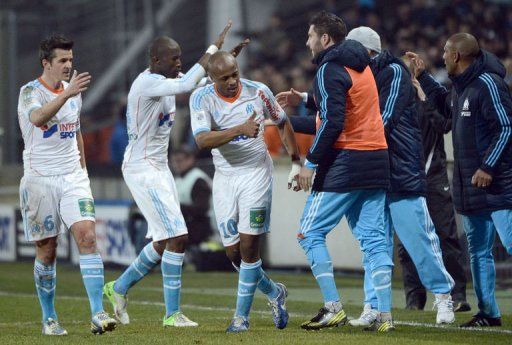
x: 417, y: 63
x: 290, y: 98
x: 78, y: 83
x: 238, y: 48
x: 222, y: 36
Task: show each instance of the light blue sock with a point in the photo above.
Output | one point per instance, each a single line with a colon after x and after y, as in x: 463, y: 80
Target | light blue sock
x: 143, y: 264
x: 91, y: 267
x: 250, y: 275
x: 171, y: 276
x: 321, y: 266
x: 45, y: 277
x: 381, y: 277
x: 267, y: 286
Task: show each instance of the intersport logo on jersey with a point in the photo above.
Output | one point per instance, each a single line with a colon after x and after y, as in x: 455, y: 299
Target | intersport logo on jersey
x: 66, y: 130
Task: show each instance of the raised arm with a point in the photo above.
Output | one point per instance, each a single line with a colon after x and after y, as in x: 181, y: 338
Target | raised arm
x: 41, y: 114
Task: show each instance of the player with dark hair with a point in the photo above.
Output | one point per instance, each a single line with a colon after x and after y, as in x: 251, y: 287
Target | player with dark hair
x: 350, y: 158
x: 55, y: 192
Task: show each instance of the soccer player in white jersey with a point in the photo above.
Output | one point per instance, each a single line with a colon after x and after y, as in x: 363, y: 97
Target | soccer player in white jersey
x: 150, y: 114
x: 227, y: 117
x: 54, y: 192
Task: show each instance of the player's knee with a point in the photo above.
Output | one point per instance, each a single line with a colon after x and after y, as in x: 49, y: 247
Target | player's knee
x: 234, y: 256
x: 310, y: 242
x: 46, y: 251
x: 177, y: 244
x: 86, y: 242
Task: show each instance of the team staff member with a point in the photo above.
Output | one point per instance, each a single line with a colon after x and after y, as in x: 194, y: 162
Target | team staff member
x: 480, y: 107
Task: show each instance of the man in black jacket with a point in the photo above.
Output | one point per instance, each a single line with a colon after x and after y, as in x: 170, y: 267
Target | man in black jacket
x: 406, y: 209
x: 480, y: 107
x: 350, y: 158
x: 440, y: 207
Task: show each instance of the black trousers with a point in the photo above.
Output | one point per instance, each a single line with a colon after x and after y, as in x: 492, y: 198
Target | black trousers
x: 440, y: 207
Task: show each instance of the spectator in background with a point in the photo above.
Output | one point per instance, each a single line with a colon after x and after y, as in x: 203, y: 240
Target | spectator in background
x: 194, y: 190
x: 119, y: 138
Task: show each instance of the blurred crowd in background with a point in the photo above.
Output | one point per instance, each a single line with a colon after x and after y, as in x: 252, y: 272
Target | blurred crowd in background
x: 278, y: 57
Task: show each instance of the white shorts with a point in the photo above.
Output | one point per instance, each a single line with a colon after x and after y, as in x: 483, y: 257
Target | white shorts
x: 156, y: 196
x: 52, y: 204
x: 242, y: 203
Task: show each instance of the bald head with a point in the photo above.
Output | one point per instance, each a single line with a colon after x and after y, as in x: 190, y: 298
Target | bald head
x: 221, y: 62
x: 161, y: 45
x: 465, y: 44
x: 460, y: 51
x: 223, y: 70
x: 165, y: 57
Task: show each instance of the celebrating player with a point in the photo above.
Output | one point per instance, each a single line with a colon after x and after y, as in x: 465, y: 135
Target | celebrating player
x: 228, y: 118
x: 150, y: 115
x: 54, y: 191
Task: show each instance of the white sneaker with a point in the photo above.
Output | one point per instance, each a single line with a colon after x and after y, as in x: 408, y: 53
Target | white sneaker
x: 178, y: 319
x: 368, y: 316
x: 52, y: 327
x: 119, y: 303
x: 444, y: 306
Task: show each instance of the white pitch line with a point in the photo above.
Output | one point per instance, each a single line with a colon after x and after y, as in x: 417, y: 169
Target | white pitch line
x: 262, y: 312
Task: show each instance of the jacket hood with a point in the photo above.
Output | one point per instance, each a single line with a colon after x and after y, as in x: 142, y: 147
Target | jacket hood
x: 485, y: 63
x: 383, y: 60
x: 348, y: 53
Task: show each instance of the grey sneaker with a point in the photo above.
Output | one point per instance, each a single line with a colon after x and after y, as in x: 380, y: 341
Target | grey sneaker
x: 278, y: 306
x: 102, y: 322
x: 52, y: 327
x: 368, y: 316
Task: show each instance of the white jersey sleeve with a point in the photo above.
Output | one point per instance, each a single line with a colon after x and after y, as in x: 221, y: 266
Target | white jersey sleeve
x: 30, y: 99
x: 271, y: 107
x: 168, y: 87
x: 200, y: 117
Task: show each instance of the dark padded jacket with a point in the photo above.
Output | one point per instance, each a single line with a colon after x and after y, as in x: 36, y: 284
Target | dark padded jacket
x: 397, y: 98
x: 347, y: 155
x: 480, y: 106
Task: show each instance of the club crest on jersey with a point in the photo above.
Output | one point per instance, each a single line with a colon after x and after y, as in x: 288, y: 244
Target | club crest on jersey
x: 162, y: 119
x: 465, y: 109
x: 249, y: 108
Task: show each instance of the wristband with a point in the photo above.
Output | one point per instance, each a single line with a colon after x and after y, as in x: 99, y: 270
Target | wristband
x: 212, y: 49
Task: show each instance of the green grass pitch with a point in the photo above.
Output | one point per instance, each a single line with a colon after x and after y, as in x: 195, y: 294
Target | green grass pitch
x: 209, y: 298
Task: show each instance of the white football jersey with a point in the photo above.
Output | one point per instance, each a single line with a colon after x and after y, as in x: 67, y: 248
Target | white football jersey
x: 52, y: 148
x: 209, y: 111
x: 150, y: 114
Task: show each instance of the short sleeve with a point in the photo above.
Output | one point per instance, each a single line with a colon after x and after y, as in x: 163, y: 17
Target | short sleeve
x: 30, y: 100
x: 200, y: 118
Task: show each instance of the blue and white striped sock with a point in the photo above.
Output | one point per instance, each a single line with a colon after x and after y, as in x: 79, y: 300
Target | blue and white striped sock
x: 248, y: 278
x: 381, y: 277
x: 171, y: 277
x: 140, y: 267
x: 265, y: 285
x: 45, y: 277
x: 321, y: 266
x: 91, y: 267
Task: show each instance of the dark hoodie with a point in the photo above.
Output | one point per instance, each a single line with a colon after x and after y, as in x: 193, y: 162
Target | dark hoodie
x: 349, y: 150
x: 480, y: 106
x: 397, y: 98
